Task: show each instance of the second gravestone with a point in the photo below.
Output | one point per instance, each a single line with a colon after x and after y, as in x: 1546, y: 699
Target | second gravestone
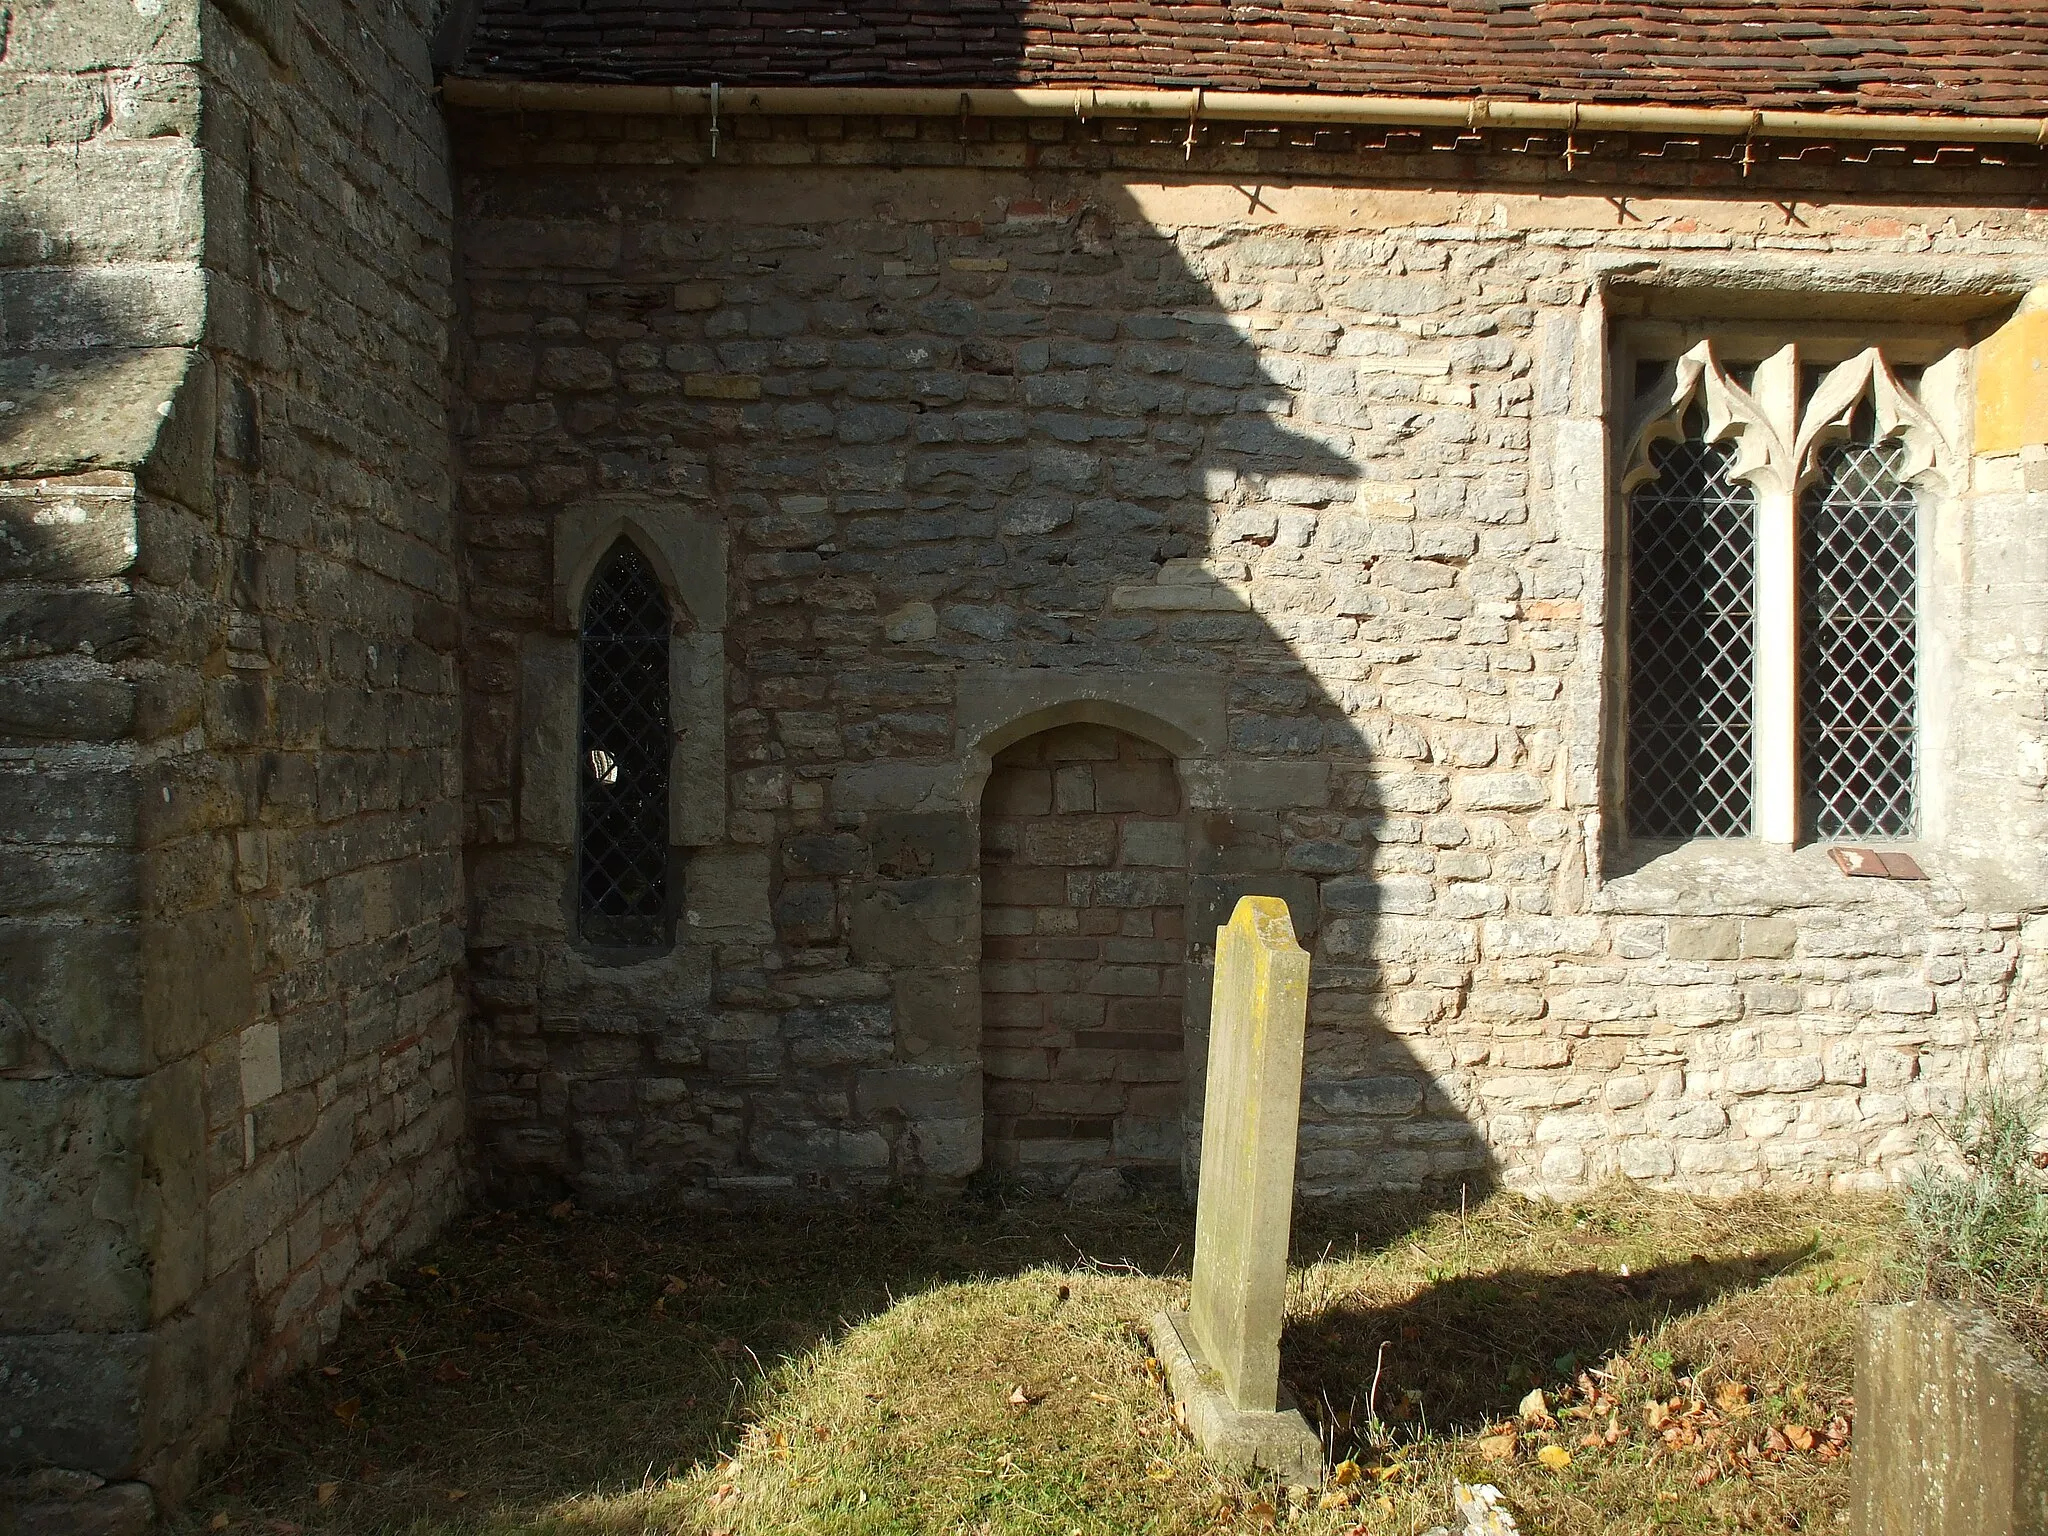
x: 1222, y: 1355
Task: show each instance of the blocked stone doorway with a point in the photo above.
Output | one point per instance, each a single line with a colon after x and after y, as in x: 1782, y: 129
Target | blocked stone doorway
x: 1084, y: 850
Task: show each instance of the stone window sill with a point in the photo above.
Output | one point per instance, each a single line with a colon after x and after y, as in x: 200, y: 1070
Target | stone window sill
x: 1744, y: 877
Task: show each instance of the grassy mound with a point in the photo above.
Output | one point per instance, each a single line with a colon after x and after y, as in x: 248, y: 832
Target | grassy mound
x: 1634, y: 1362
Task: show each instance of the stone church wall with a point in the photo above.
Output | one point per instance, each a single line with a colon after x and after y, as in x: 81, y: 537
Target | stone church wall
x: 1296, y: 476
x: 228, y: 1086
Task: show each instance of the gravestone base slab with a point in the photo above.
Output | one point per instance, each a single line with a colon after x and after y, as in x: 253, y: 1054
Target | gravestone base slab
x: 1280, y: 1442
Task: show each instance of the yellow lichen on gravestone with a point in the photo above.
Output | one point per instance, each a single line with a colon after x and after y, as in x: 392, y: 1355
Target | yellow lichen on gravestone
x: 1250, y: 1118
x: 2012, y: 380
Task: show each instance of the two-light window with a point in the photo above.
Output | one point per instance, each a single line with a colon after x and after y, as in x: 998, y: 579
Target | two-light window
x: 1772, y: 565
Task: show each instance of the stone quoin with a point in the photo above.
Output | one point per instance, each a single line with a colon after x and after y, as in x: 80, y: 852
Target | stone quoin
x: 559, y: 645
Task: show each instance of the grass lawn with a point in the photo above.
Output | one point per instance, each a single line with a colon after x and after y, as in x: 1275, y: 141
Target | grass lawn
x: 977, y: 1367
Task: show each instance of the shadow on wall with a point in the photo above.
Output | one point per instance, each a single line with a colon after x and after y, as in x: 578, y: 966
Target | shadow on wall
x: 88, y: 360
x: 84, y: 386
x: 1173, y: 559
x: 1029, y: 458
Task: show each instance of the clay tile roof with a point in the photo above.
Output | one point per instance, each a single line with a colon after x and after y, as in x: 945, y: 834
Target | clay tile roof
x: 1968, y: 56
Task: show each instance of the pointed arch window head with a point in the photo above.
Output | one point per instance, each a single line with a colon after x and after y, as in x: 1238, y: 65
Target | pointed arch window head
x: 624, y: 743
x: 1772, y: 653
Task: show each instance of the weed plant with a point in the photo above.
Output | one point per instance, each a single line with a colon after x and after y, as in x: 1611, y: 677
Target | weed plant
x: 1979, y: 1219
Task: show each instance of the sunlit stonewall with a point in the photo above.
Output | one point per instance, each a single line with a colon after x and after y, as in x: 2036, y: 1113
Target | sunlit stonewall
x: 1222, y: 1356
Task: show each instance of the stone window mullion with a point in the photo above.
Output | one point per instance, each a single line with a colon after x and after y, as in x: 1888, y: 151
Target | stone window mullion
x: 1777, y: 665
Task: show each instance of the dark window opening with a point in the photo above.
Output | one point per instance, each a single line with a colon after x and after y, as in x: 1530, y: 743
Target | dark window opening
x: 624, y: 740
x: 1691, y: 644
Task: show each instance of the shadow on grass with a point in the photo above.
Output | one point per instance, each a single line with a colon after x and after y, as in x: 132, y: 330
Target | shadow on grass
x: 534, y: 1357
x: 1464, y: 1351
x: 531, y: 1359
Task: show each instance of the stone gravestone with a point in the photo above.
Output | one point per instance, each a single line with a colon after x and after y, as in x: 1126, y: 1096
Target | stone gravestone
x: 1222, y: 1355
x: 1951, y: 1426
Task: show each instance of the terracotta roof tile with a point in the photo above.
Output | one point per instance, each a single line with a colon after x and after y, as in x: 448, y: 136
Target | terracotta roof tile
x: 1989, y: 57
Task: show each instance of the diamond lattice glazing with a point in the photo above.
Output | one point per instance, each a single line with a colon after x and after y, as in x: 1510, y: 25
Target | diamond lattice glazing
x: 1691, y: 646
x: 1859, y: 645
x: 623, y: 765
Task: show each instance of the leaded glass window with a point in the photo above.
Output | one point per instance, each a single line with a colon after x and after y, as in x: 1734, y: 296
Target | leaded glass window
x: 1691, y: 643
x: 624, y: 740
x: 1859, y: 641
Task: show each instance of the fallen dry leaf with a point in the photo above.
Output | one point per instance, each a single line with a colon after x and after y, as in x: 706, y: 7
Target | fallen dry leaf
x: 219, y: 1522
x: 1262, y: 1515
x: 1535, y: 1409
x: 1496, y: 1447
x: 325, y: 1492
x: 330, y: 1371
x: 1555, y: 1457
x: 448, y: 1370
x: 348, y: 1410
x: 1731, y: 1396
x: 1800, y: 1437
x: 1345, y: 1472
x: 562, y: 1210
x: 457, y: 1493
x: 1160, y: 1471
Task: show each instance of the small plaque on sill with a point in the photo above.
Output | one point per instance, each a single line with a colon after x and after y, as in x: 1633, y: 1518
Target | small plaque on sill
x: 1870, y: 864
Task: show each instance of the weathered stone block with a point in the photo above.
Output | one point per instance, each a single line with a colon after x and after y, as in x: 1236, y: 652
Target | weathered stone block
x: 548, y: 671
x: 75, y: 1400
x: 1375, y: 1096
x: 1708, y: 939
x: 1951, y: 1427
x: 72, y: 36
x: 199, y: 974
x: 1768, y: 938
x: 67, y: 1503
x: 920, y: 1093
x: 727, y: 892
x: 913, y: 923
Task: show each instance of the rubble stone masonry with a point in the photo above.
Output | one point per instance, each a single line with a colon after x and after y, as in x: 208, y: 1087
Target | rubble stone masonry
x: 228, y: 716
x: 1279, y: 461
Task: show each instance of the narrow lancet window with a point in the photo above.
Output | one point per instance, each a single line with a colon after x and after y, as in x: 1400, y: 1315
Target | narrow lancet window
x: 1859, y: 639
x: 624, y: 741
x: 1691, y: 643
